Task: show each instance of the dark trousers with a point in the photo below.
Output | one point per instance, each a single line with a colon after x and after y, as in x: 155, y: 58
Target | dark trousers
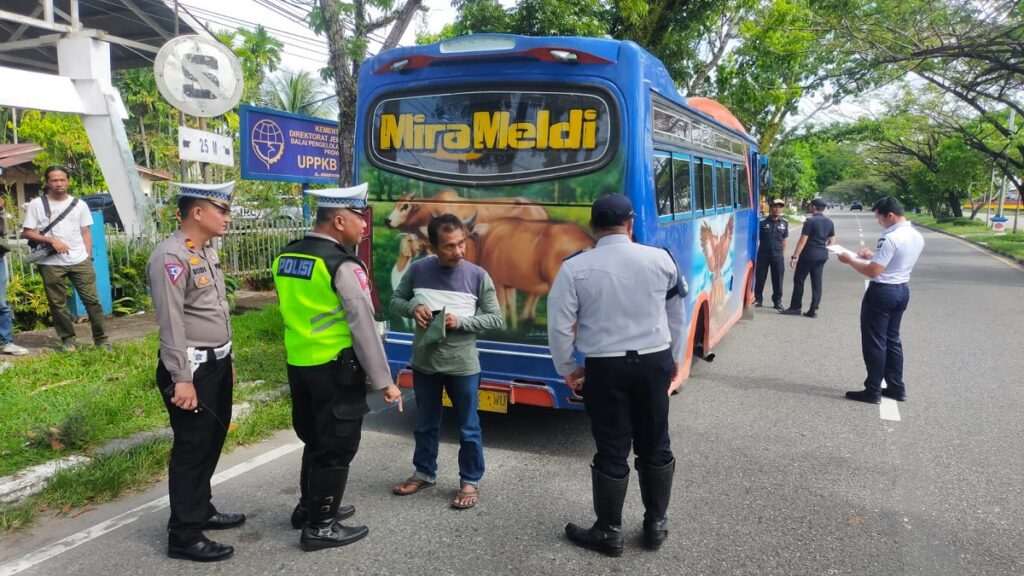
x: 881, y: 312
x: 328, y: 405
x: 814, y: 268
x: 198, y: 439
x: 83, y: 277
x: 778, y: 268
x: 627, y: 400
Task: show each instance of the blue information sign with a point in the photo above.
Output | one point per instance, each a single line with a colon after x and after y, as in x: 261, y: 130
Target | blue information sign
x: 284, y: 147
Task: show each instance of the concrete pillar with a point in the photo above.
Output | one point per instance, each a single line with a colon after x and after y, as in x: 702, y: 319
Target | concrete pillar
x: 87, y: 62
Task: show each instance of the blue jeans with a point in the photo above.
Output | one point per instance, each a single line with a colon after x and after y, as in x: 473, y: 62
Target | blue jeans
x: 463, y: 392
x: 6, y: 315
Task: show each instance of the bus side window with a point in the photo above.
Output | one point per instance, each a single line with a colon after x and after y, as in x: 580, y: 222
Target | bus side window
x: 723, y: 189
x: 681, y: 189
x: 743, y: 187
x: 663, y: 186
x: 708, y: 175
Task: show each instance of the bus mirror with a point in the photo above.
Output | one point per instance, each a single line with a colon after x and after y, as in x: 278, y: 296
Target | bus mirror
x: 766, y: 178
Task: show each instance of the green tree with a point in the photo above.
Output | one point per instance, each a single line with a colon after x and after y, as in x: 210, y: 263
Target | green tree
x: 300, y: 93
x: 64, y: 142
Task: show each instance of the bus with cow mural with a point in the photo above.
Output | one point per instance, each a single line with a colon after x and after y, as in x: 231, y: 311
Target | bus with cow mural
x: 517, y: 136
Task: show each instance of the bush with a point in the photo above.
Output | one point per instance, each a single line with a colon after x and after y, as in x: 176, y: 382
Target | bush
x: 27, y: 298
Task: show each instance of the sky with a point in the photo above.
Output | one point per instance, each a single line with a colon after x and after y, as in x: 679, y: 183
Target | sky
x: 303, y: 49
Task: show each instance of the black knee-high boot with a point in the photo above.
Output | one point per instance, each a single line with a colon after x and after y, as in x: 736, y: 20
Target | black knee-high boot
x: 655, y: 491
x: 326, y: 487
x: 605, y: 535
x: 301, y: 512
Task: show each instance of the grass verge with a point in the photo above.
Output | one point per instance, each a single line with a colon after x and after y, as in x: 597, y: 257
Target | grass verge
x: 976, y: 231
x: 93, y: 397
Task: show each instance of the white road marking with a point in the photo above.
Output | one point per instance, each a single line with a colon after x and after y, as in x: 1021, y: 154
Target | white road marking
x: 75, y: 540
x: 889, y: 410
x: 861, y: 242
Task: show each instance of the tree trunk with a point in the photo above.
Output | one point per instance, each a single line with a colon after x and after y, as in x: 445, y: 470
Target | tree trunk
x: 954, y: 204
x: 401, y: 24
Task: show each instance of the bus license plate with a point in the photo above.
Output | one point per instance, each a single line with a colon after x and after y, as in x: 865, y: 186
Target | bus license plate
x: 489, y: 401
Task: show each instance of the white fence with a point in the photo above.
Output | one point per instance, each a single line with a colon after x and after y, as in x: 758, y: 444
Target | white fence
x: 246, y: 251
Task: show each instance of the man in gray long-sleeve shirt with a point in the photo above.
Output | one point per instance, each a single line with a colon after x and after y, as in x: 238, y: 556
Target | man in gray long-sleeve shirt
x: 194, y: 372
x: 466, y: 295
x: 630, y: 366
x: 333, y: 351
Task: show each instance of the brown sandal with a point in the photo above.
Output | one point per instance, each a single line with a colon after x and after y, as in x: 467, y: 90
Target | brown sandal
x: 411, y: 485
x: 465, y: 499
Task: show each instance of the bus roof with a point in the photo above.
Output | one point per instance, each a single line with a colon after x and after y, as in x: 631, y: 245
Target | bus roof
x: 554, y: 49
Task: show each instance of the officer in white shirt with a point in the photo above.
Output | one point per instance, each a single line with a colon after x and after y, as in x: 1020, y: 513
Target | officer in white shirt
x: 885, y: 300
x: 629, y: 366
x: 71, y: 242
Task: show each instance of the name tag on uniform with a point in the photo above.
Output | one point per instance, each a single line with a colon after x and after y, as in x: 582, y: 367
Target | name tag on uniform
x: 296, y: 267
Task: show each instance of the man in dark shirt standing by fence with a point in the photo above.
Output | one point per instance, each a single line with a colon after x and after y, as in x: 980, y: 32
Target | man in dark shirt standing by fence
x: 809, y: 258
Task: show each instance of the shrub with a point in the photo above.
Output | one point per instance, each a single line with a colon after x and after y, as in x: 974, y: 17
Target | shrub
x: 27, y: 298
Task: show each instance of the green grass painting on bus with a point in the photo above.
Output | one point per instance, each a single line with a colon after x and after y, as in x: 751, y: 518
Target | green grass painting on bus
x: 519, y: 233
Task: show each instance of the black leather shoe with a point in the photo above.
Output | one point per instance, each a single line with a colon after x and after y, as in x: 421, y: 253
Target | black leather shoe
x: 331, y: 535
x: 778, y: 308
x: 607, y: 542
x: 897, y: 396
x: 205, y: 550
x: 811, y: 314
x: 757, y: 304
x: 301, y: 514
x: 865, y: 396
x: 790, y: 312
x: 222, y: 521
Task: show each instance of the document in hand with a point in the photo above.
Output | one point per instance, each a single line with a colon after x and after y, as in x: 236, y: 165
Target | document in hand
x: 435, y: 331
x: 837, y: 250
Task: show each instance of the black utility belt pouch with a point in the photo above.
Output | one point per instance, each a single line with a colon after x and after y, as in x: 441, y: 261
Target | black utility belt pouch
x: 351, y: 372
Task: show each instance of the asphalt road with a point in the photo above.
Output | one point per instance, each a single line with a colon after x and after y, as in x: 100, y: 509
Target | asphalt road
x: 777, y: 474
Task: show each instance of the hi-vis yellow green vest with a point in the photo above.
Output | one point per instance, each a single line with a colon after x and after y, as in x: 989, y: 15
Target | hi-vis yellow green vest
x: 315, y: 330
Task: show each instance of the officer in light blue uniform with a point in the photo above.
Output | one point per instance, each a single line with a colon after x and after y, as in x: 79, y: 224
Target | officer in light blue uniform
x: 886, y: 299
x: 629, y: 366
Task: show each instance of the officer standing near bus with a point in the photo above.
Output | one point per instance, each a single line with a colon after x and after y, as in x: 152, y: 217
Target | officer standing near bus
x: 628, y: 370
x: 333, y: 350
x: 771, y: 250
x: 809, y: 258
x: 194, y: 373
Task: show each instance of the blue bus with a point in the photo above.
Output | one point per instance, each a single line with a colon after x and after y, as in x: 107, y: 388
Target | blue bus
x: 517, y: 136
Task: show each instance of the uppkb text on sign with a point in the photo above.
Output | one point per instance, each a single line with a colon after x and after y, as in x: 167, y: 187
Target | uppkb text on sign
x: 284, y: 147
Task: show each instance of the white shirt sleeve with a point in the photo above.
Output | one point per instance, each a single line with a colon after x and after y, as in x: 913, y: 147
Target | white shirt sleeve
x: 886, y: 250
x: 32, y: 216
x: 84, y: 215
x: 563, y: 307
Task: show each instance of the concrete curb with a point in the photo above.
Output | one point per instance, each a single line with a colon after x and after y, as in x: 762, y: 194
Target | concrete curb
x: 32, y: 480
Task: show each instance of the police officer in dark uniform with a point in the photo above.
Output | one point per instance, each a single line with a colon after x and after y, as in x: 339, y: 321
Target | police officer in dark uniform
x: 771, y: 249
x: 194, y: 372
x: 809, y: 258
x: 628, y: 370
x: 333, y: 350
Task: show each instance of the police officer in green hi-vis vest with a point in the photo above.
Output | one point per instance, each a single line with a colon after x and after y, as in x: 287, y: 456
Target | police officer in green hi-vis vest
x: 333, y: 351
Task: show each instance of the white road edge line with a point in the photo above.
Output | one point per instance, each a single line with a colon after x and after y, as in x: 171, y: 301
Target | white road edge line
x: 75, y: 540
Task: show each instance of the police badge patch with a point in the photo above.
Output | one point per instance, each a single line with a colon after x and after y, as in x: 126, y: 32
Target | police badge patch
x: 174, y: 272
x: 361, y: 276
